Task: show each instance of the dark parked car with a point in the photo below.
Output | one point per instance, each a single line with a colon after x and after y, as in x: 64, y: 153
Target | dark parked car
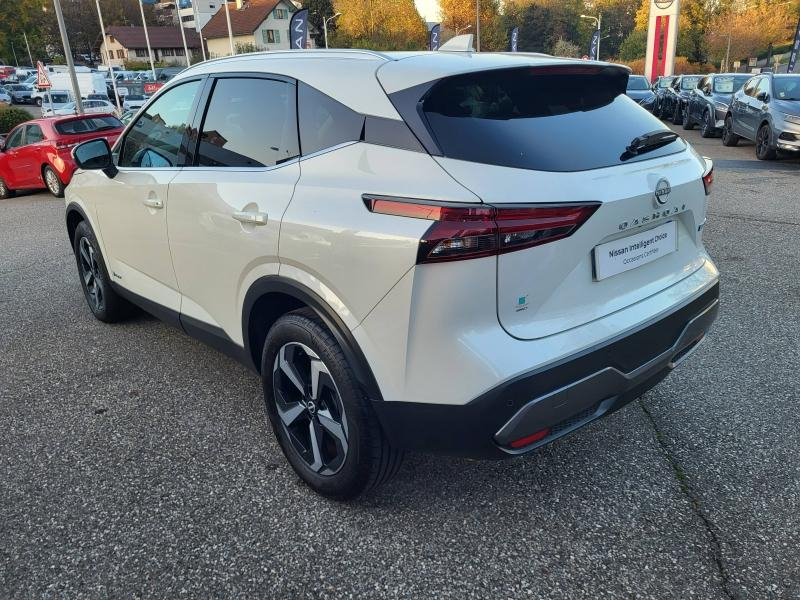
x: 638, y: 89
x: 677, y: 96
x: 660, y: 87
x: 20, y: 93
x: 766, y: 111
x: 708, y: 102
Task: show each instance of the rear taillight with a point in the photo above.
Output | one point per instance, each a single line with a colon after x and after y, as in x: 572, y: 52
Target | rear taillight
x: 460, y: 232
x: 708, y: 176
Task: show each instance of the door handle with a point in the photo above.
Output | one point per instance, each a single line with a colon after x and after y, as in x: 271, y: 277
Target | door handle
x: 250, y: 217
x: 153, y: 203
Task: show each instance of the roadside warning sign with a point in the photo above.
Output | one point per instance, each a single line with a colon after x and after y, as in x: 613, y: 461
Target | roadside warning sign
x: 42, y: 80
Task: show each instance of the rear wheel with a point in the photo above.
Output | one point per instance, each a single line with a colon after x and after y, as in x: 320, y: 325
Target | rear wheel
x: 5, y: 191
x: 38, y: 101
x: 53, y: 181
x: 677, y: 114
x: 318, y: 412
x: 103, y: 301
x: 706, y: 127
x: 764, y: 149
x: 728, y: 137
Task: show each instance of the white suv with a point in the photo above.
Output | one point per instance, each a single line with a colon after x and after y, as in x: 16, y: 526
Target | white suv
x: 463, y: 253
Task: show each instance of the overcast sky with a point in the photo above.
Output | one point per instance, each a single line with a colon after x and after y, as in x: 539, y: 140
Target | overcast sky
x: 429, y: 9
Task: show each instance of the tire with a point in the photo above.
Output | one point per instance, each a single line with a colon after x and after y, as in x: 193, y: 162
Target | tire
x: 52, y: 181
x: 728, y: 137
x: 764, y: 150
x: 688, y: 125
x: 677, y: 114
x: 38, y: 101
x: 351, y: 455
x: 106, y: 305
x: 5, y: 191
x: 707, y: 130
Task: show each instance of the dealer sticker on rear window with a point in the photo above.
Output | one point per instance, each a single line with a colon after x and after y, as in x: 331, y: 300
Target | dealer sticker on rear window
x: 635, y: 250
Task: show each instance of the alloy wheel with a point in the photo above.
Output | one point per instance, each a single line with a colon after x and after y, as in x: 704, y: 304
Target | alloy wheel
x: 762, y: 142
x: 51, y: 179
x: 706, y: 123
x: 90, y: 271
x: 3, y: 189
x: 310, y: 408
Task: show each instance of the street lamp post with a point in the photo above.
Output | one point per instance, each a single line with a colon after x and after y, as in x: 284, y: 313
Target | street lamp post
x: 106, y: 60
x: 76, y: 90
x: 147, y: 39
x: 597, y: 21
x: 325, y: 26
x: 28, y: 46
x: 230, y: 31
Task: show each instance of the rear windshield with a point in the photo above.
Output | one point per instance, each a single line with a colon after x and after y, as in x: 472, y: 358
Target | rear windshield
x: 87, y: 125
x: 729, y: 84
x: 638, y: 83
x: 787, y: 87
x: 557, y: 119
x: 134, y: 97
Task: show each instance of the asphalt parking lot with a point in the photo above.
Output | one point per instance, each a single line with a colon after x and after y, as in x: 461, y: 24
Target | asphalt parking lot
x: 137, y: 462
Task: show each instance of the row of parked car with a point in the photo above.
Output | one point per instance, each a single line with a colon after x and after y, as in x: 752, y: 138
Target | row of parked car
x: 763, y: 108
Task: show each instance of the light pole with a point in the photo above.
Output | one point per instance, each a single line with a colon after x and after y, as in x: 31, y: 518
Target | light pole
x: 106, y: 60
x: 325, y: 26
x: 183, y: 37
x: 478, y: 25
x: 230, y: 31
x: 460, y: 29
x: 28, y: 46
x: 597, y: 20
x: 76, y: 90
x: 147, y: 39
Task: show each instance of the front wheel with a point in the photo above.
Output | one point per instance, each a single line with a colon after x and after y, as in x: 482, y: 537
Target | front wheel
x: 38, y: 101
x: 706, y: 127
x: 728, y: 137
x: 764, y: 150
x: 677, y: 115
x: 53, y: 181
x: 5, y: 191
x: 687, y: 121
x: 103, y: 301
x: 318, y: 412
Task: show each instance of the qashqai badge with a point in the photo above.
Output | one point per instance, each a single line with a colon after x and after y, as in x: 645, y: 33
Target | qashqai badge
x: 662, y: 191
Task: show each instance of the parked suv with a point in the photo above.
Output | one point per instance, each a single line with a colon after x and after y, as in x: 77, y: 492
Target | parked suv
x: 676, y: 97
x: 708, y: 103
x: 766, y: 111
x: 401, y: 250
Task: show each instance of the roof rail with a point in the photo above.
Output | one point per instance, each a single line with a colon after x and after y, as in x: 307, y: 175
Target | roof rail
x: 313, y: 53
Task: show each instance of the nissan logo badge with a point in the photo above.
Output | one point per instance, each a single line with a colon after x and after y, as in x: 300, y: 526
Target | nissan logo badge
x: 662, y: 191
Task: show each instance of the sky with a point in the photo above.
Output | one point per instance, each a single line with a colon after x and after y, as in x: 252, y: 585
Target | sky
x: 429, y: 9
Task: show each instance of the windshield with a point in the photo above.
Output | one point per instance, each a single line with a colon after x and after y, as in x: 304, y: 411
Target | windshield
x: 59, y: 98
x: 729, y: 84
x: 689, y: 83
x: 510, y: 117
x: 665, y: 82
x: 638, y: 83
x: 787, y: 88
x: 87, y: 125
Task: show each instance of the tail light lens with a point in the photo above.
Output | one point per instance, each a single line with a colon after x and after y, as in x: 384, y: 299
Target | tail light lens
x: 708, y: 176
x: 460, y: 232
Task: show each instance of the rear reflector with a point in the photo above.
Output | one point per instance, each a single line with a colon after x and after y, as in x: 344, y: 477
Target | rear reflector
x: 527, y: 441
x: 708, y: 176
x: 472, y: 231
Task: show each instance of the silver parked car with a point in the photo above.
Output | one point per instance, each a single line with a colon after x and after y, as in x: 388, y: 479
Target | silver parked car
x: 766, y: 111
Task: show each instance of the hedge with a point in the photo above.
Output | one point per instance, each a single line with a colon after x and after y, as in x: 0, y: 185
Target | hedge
x: 11, y: 117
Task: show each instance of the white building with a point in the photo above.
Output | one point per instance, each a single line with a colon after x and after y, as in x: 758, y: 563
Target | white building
x: 262, y: 24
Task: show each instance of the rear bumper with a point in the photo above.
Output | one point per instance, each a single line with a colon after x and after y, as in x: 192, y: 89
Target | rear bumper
x: 556, y: 399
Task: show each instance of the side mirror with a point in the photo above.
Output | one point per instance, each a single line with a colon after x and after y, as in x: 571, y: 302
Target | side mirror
x: 95, y: 155
x: 762, y: 96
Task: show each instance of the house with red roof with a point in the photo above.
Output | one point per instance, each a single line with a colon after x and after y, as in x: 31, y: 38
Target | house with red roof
x: 129, y: 44
x: 255, y: 24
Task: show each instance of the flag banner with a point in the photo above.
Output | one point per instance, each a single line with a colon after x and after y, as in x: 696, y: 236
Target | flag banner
x: 514, y: 39
x: 435, y: 34
x: 593, y: 45
x: 795, y: 50
x: 298, y: 30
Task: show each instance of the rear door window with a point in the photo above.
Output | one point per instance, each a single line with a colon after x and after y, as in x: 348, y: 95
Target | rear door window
x: 324, y: 122
x: 237, y: 131
x: 557, y: 119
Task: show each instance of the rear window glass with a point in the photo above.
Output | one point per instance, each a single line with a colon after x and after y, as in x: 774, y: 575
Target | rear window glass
x: 728, y: 84
x: 87, y: 125
x: 565, y: 119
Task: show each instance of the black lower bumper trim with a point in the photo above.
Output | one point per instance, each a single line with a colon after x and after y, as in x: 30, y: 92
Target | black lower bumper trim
x: 560, y: 397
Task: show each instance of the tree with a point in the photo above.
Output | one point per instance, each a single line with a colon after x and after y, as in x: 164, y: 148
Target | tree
x: 619, y: 19
x: 458, y: 14
x: 565, y: 48
x: 543, y: 22
x: 317, y: 11
x: 634, y: 46
x: 380, y: 24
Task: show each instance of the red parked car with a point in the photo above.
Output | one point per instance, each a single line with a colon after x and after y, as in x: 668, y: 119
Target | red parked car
x: 38, y: 154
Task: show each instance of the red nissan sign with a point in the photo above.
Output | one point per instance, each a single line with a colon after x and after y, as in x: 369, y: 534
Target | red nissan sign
x: 152, y: 88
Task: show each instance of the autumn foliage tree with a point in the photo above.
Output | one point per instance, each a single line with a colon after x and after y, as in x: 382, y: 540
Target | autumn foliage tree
x: 380, y: 24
